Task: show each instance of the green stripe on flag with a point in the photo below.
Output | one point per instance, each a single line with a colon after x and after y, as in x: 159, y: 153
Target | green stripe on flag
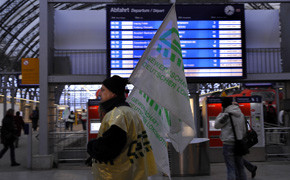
x: 172, y: 57
x: 176, y: 43
x: 159, y: 47
x: 165, y: 53
x: 174, y: 30
x: 176, y: 50
x: 167, y: 117
x: 147, y: 98
x: 178, y: 62
x: 156, y: 107
x: 151, y: 103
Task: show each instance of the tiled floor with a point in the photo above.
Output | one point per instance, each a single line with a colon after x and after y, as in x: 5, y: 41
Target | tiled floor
x: 279, y: 170
x: 266, y: 171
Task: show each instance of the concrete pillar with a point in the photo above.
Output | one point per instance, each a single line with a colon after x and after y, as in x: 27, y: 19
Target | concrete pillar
x: 194, y: 94
x: 44, y: 159
x: 52, y: 108
x: 22, y: 105
x: 43, y: 76
x: 287, y: 90
x: 26, y: 112
x: 32, y: 106
x: 285, y: 36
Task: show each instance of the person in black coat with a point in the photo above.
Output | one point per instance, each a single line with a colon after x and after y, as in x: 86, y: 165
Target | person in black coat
x: 18, y: 120
x: 8, y: 136
x: 34, y: 116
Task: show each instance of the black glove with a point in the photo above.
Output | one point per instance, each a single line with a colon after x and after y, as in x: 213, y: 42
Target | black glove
x: 92, y: 148
x: 89, y: 162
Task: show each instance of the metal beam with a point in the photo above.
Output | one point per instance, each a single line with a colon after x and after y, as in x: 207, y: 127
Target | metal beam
x: 43, y: 74
x: 274, y: 77
x: 205, y: 1
x: 24, y: 37
x: 96, y: 79
x: 251, y: 77
x: 258, y: 1
x: 81, y: 1
x: 77, y: 79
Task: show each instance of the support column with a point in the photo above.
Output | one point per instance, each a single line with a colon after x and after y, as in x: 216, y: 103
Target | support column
x: 44, y: 160
x: 287, y: 90
x: 286, y: 101
x: 13, y: 93
x: 27, y: 112
x: 5, y: 96
x: 43, y: 77
x: 22, y: 105
x: 285, y: 54
x: 285, y: 36
x: 194, y: 94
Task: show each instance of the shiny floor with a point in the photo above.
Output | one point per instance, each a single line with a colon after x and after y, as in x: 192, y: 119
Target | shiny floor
x: 266, y: 171
x: 69, y: 171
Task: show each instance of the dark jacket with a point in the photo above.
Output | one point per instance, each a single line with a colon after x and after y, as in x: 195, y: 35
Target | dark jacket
x: 19, y: 124
x: 8, y: 130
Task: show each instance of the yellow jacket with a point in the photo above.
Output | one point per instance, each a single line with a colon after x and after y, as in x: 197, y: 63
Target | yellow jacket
x: 136, y: 161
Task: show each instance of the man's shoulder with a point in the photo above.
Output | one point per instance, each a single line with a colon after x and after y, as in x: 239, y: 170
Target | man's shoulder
x: 123, y: 110
x: 126, y: 109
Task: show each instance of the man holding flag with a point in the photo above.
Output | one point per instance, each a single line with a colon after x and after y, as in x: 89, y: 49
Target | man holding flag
x: 160, y: 94
x: 160, y: 97
x: 122, y: 149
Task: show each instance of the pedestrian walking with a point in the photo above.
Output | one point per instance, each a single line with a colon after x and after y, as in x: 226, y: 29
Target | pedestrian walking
x: 19, y: 123
x: 8, y: 136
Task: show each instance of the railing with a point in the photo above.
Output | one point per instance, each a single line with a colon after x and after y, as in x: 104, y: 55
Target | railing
x: 264, y: 60
x: 84, y: 61
x: 69, y: 146
x: 259, y: 60
x: 277, y: 141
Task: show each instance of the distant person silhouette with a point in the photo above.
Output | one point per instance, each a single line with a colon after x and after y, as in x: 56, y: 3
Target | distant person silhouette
x: 84, y: 119
x: 70, y: 120
x: 271, y: 114
x: 34, y: 117
x: 8, y: 136
x: 18, y: 120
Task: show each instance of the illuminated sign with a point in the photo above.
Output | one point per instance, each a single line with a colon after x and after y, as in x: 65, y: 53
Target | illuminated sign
x: 30, y: 71
x: 211, y: 38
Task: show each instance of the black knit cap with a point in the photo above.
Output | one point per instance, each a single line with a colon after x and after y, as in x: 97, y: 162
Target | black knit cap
x: 116, y: 84
x: 227, y: 101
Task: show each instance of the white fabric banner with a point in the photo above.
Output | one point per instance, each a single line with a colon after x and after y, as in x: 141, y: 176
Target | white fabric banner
x: 160, y: 74
x: 151, y: 115
x: 160, y: 82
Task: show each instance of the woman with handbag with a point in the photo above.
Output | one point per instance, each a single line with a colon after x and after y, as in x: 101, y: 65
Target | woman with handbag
x: 8, y: 136
x: 234, y: 162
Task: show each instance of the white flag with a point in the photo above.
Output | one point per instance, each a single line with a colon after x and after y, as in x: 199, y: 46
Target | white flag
x: 159, y: 75
x: 160, y: 72
x: 151, y: 115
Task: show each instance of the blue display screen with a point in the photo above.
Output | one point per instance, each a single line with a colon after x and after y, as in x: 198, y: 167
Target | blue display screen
x: 211, y: 38
x: 202, y: 43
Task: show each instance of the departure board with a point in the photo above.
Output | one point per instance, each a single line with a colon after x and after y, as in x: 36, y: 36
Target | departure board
x: 212, y: 38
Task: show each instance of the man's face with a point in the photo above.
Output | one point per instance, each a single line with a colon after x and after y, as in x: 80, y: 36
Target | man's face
x: 106, y: 94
